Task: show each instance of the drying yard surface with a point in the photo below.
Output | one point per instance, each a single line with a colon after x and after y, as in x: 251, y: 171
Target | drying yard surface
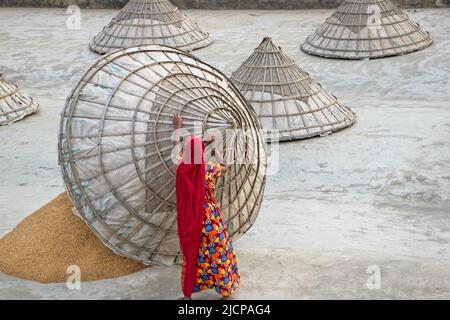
x: 375, y: 196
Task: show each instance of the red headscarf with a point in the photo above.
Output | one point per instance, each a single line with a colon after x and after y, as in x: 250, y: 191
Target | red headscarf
x: 190, y: 190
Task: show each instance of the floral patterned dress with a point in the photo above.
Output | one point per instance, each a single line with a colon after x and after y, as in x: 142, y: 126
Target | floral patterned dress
x: 216, y: 264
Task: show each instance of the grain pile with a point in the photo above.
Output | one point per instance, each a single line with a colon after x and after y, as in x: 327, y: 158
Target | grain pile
x: 48, y: 241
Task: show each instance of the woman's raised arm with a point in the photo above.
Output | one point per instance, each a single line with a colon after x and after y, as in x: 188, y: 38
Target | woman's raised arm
x: 177, y: 124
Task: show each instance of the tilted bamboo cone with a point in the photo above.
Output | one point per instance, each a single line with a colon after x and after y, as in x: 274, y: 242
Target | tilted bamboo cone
x: 117, y: 156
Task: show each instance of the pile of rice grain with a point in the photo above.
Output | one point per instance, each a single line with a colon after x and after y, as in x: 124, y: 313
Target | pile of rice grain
x: 48, y: 241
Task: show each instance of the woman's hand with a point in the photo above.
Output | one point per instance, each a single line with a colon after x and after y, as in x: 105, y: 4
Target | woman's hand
x: 211, y: 140
x: 177, y: 123
x: 177, y: 120
x: 219, y: 158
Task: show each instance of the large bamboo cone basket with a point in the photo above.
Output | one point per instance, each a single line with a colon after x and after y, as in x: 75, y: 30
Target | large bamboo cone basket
x: 116, y: 150
x: 366, y: 29
x: 14, y: 105
x: 143, y: 22
x: 289, y: 104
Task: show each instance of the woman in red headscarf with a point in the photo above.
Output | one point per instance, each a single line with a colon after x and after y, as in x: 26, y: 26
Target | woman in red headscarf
x: 209, y: 261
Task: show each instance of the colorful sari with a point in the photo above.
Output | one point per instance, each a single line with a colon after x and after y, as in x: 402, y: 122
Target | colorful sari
x: 209, y: 261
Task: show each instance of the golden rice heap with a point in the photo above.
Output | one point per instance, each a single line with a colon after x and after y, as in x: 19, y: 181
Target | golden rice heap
x: 51, y: 239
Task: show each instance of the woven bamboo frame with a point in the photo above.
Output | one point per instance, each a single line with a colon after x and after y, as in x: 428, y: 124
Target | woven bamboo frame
x: 143, y: 22
x: 285, y: 97
x: 14, y: 106
x: 356, y: 31
x: 143, y: 87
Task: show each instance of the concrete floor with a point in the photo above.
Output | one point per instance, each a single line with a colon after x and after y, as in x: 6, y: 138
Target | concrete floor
x: 377, y: 193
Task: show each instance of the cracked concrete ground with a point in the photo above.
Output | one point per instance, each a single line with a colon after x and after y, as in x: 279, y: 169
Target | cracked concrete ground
x: 376, y: 194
